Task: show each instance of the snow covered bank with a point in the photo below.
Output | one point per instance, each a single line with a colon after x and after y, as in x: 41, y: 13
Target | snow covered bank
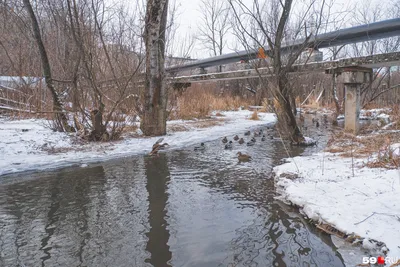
x: 30, y: 145
x: 373, y: 114
x: 366, y: 204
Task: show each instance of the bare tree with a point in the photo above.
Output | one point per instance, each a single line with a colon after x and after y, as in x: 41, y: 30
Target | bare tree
x: 155, y: 95
x: 214, y: 25
x: 335, y: 20
x: 272, y: 22
x: 381, y: 78
x: 60, y: 115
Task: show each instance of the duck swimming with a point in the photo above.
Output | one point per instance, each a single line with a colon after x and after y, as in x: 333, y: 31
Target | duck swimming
x: 263, y: 138
x: 225, y: 140
x: 236, y: 138
x: 243, y: 157
x: 228, y: 145
x: 247, y: 133
x: 241, y: 141
x: 250, y: 143
x: 200, y: 148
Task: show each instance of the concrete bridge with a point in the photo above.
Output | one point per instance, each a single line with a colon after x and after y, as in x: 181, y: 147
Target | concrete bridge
x: 355, y: 71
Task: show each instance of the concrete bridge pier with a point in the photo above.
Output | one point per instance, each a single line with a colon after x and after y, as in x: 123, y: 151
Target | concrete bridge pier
x: 353, y: 78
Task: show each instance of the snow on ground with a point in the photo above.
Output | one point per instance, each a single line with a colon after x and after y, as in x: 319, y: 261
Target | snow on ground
x: 366, y: 204
x: 373, y: 114
x: 31, y: 145
x: 308, y: 141
x: 395, y: 150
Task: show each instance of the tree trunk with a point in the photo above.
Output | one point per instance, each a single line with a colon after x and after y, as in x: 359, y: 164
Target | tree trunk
x: 99, y: 132
x: 287, y: 119
x: 284, y: 110
x: 155, y: 96
x: 334, y: 93
x: 293, y: 104
x: 60, y: 116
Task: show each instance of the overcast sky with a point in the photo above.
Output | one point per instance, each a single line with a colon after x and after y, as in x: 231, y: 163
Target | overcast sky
x: 189, y: 17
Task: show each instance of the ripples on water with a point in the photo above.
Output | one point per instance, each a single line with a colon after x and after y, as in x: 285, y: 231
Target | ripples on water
x: 183, y: 208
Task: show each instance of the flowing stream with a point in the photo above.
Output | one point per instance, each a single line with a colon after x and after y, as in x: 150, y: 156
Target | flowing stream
x: 183, y: 208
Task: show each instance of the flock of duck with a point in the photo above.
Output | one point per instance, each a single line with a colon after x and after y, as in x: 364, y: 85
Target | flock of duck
x: 228, y: 143
x: 241, y: 141
x: 236, y: 139
x: 260, y: 133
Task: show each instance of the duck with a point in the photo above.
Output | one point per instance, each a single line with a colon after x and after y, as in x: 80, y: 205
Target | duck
x: 317, y: 124
x: 256, y: 134
x: 243, y: 157
x: 247, y: 133
x: 157, y: 147
x: 263, y: 138
x: 253, y: 140
x: 225, y: 140
x: 228, y: 145
x: 236, y: 138
x: 250, y: 143
x: 156, y: 144
x: 200, y: 148
x: 241, y: 141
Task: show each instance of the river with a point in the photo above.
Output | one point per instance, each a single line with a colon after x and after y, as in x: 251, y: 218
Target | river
x: 183, y: 208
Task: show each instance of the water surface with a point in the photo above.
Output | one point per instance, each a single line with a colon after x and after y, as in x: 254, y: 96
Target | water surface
x: 183, y: 208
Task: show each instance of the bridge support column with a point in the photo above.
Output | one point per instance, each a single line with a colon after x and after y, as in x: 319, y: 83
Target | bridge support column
x: 353, y: 78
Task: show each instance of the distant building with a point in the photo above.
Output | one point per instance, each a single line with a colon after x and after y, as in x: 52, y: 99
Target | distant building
x: 310, y: 55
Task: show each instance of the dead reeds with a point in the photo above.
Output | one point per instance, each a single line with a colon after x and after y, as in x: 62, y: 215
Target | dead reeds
x: 198, y: 103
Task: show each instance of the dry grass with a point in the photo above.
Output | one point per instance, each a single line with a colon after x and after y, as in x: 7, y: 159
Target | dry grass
x: 206, y: 123
x: 130, y: 128
x: 198, y: 103
x: 254, y: 116
x: 375, y: 146
x: 311, y: 103
x: 395, y: 117
x: 194, y: 124
x: 267, y: 105
x: 177, y: 128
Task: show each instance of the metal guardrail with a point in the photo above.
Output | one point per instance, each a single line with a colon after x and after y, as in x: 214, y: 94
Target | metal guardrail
x: 367, y: 32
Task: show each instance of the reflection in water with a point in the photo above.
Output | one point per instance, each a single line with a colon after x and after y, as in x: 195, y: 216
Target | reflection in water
x: 187, y: 209
x: 43, y: 217
x: 231, y: 217
x: 52, y: 219
x: 157, y: 181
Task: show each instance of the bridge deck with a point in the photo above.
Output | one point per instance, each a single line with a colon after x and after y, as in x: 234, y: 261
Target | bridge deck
x: 374, y: 61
